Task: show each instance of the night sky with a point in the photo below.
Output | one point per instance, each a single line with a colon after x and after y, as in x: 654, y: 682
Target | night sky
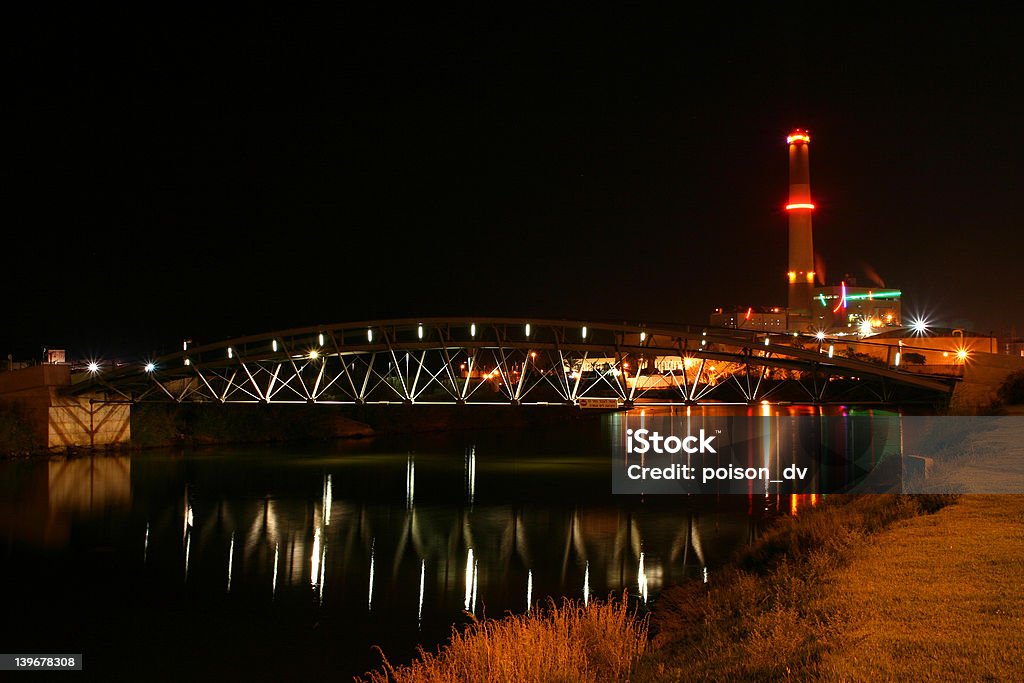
x: 203, y: 175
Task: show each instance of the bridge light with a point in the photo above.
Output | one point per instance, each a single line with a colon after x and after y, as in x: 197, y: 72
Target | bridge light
x: 184, y: 345
x: 321, y: 339
x: 527, y: 329
x: 766, y: 340
x: 419, y: 331
x: 93, y: 367
x: 369, y: 335
x: 820, y: 334
x: 314, y: 354
x: 472, y: 330
x: 150, y: 367
x: 961, y: 354
x: 584, y: 331
x: 643, y: 336
x: 831, y: 350
x: 273, y: 345
x: 231, y: 353
x: 897, y: 363
x: 188, y: 362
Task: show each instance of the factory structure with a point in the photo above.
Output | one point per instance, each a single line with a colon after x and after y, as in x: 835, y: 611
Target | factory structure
x: 812, y: 305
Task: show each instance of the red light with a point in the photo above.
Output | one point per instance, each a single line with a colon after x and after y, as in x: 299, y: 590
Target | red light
x: 797, y: 136
x: 842, y: 299
x: 790, y: 207
x: 749, y: 311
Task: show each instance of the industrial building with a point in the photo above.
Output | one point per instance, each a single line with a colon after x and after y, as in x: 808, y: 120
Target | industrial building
x: 812, y: 306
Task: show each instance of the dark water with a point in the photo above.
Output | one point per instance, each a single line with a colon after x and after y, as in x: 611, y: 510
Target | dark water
x: 293, y: 562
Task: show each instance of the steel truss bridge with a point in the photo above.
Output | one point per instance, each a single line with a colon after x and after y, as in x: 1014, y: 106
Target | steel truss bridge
x: 511, y: 361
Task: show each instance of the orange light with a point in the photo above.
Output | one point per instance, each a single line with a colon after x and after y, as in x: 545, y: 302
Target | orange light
x: 810, y: 277
x: 797, y: 137
x: 792, y: 276
x: 791, y: 207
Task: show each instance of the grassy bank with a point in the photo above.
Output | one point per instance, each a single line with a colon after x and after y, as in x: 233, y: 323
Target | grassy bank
x: 572, y: 643
x: 937, y: 598
x: 778, y: 614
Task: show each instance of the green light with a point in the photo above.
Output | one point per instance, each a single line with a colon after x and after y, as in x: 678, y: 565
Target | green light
x: 821, y: 298
x: 890, y: 294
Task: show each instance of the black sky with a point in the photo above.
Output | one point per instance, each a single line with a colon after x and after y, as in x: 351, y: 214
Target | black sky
x: 181, y: 172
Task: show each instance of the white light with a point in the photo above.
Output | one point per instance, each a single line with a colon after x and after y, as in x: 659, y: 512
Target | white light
x: 321, y: 339
x: 314, y: 354
x: 94, y: 367
x: 231, y: 354
x: 419, y: 331
x: 898, y: 354
x: 472, y: 330
x: 584, y: 331
x: 920, y: 325
x: 423, y: 574
x: 643, y: 336
x: 273, y: 345
x: 527, y: 329
x: 831, y: 350
x: 369, y: 335
x: 820, y: 335
x: 188, y: 362
x: 184, y: 346
x: 150, y: 367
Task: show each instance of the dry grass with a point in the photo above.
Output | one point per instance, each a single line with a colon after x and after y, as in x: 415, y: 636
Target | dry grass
x: 572, y: 643
x: 769, y: 620
x: 938, y: 598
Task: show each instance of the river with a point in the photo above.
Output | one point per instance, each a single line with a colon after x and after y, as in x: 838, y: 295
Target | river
x: 292, y: 562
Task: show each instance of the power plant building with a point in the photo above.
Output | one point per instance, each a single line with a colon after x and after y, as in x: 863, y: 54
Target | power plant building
x: 813, y: 306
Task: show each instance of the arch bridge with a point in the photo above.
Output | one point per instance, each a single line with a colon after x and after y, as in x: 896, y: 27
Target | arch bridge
x: 514, y: 361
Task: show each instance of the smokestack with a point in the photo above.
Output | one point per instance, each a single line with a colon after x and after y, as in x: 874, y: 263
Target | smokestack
x: 799, y: 208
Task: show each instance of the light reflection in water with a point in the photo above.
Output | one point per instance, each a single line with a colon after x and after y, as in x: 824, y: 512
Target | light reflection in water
x: 328, y: 495
x: 145, y: 545
x: 470, y: 565
x: 586, y: 585
x: 471, y: 474
x: 369, y: 598
x: 273, y: 588
x: 641, y: 579
x: 314, y: 572
x: 423, y: 574
x: 529, y: 591
x: 410, y: 482
x: 231, y: 557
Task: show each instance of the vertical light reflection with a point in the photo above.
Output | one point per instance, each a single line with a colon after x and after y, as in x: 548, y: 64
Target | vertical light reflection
x: 529, y: 590
x: 410, y: 482
x: 704, y: 573
x: 641, y: 579
x: 231, y: 558
x: 145, y: 545
x: 586, y: 584
x: 188, y: 547
x: 323, y: 569
x: 476, y: 575
x: 369, y: 598
x: 469, y: 578
x: 328, y: 497
x: 314, y: 573
x: 471, y: 474
x: 423, y: 574
x: 273, y: 587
